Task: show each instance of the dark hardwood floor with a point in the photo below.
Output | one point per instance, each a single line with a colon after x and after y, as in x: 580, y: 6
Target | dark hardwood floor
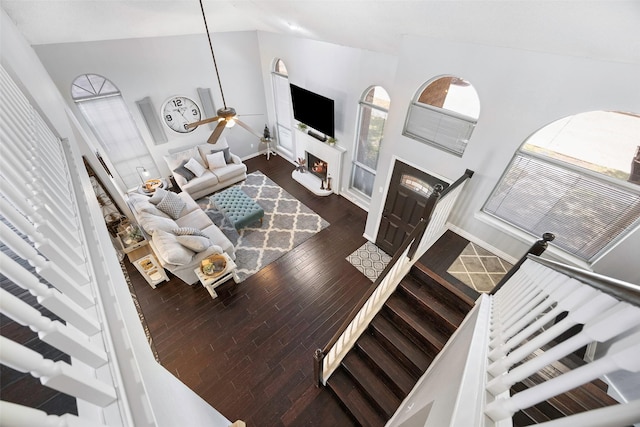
x: 249, y: 352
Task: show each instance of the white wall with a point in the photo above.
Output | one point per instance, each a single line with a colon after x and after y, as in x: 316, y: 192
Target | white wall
x: 337, y: 72
x: 520, y: 92
x: 166, y: 66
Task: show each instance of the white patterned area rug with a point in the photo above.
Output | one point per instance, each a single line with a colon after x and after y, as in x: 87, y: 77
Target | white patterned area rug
x: 287, y: 223
x: 369, y: 260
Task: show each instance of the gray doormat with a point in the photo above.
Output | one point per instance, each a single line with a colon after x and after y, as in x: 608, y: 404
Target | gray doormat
x: 478, y: 268
x: 369, y: 260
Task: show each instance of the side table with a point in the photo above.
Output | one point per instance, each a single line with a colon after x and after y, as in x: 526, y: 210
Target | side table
x: 145, y: 261
x: 210, y: 283
x: 270, y: 151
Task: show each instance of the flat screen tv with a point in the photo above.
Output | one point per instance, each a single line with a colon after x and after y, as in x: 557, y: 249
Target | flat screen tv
x: 315, y: 111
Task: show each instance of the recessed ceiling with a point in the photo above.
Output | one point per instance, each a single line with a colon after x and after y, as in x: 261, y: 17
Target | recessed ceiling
x: 598, y: 29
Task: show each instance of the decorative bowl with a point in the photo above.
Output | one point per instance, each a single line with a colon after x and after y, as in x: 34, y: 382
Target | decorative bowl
x: 213, y: 266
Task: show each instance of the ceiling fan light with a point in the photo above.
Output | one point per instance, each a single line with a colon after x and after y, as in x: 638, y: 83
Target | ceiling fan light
x: 230, y: 123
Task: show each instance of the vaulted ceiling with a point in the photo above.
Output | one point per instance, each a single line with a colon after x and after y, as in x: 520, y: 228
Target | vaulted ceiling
x: 608, y: 29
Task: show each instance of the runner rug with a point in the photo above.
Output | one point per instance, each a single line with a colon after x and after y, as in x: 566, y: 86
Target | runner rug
x: 287, y: 223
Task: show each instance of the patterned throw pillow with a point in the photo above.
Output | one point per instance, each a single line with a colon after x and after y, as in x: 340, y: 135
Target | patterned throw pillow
x: 158, y: 195
x: 188, y: 231
x: 194, y: 166
x: 172, y: 205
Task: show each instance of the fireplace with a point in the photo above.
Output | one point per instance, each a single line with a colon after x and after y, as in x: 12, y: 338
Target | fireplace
x: 317, y: 166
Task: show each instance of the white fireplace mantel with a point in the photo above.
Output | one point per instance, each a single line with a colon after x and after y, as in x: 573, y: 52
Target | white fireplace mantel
x: 332, y: 154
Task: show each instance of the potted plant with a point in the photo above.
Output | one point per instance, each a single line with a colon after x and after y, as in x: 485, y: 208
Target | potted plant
x: 302, y: 127
x: 332, y: 141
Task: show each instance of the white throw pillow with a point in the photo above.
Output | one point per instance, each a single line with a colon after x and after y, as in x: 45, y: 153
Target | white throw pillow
x: 216, y: 160
x: 172, y: 205
x: 194, y: 166
x: 195, y: 243
x: 170, y: 250
x: 151, y: 223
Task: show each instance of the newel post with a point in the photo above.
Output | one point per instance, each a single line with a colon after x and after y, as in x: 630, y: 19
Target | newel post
x: 318, y: 356
x: 537, y: 249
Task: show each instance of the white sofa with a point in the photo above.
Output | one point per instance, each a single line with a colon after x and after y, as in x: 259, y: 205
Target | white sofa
x: 170, y: 248
x: 213, y: 178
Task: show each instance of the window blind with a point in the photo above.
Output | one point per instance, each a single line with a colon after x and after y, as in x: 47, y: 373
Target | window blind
x: 436, y: 127
x: 584, y: 212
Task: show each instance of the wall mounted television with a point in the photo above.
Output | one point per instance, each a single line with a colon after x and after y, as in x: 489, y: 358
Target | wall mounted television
x: 315, y: 111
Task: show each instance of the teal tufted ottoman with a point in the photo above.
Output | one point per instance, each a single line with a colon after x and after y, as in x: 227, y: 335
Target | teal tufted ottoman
x: 240, y: 209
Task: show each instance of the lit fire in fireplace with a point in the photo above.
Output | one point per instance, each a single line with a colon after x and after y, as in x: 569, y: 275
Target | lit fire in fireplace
x: 319, y: 167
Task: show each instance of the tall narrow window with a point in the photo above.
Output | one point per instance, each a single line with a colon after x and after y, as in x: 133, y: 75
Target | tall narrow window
x: 373, y: 110
x: 578, y: 178
x: 282, y: 100
x: 105, y: 111
x: 444, y: 114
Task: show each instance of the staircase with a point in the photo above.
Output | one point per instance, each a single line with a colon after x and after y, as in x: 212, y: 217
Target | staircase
x: 399, y: 345
x: 407, y: 334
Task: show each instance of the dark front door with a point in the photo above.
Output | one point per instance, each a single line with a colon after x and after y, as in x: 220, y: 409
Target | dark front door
x: 407, y: 197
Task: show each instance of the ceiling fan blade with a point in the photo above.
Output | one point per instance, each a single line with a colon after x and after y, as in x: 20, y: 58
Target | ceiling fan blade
x: 216, y: 132
x: 203, y: 122
x: 247, y: 127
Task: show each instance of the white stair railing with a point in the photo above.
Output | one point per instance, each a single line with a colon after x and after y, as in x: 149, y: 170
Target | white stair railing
x: 327, y: 360
x: 517, y: 340
x: 56, y: 247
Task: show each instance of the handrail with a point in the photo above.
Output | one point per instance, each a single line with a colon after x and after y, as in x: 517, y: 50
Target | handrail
x: 415, y: 235
x: 468, y: 173
x: 536, y: 249
x: 412, y: 243
x: 625, y: 291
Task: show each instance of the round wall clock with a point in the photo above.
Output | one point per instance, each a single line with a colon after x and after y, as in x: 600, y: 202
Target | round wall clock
x: 178, y: 112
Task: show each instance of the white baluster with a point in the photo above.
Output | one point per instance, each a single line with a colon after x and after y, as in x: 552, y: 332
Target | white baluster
x: 78, y: 292
x: 623, y: 354
x: 52, y: 332
x: 14, y: 415
x: 565, y: 301
x: 604, y: 326
x: 57, y: 375
x: 47, y: 247
x: 621, y: 415
x: 50, y: 298
x: 41, y: 225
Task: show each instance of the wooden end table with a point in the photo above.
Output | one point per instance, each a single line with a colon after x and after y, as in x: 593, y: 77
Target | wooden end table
x: 210, y: 283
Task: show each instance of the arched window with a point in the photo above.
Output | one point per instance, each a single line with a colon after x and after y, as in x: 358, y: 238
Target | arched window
x: 373, y: 109
x: 443, y: 114
x: 106, y: 113
x: 578, y: 178
x: 282, y: 101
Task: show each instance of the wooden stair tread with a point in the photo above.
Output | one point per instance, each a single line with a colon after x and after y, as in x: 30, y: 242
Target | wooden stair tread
x: 452, y: 317
x: 383, y: 398
x: 467, y: 295
x: 416, y: 360
x: 353, y: 399
x: 406, y: 314
x: 387, y: 366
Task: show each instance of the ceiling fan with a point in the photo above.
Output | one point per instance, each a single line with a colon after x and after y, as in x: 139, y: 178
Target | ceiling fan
x: 226, y: 116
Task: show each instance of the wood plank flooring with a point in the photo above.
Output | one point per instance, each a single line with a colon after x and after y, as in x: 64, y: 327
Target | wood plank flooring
x: 249, y: 352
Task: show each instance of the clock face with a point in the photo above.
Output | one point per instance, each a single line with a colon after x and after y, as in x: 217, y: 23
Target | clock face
x: 178, y: 112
